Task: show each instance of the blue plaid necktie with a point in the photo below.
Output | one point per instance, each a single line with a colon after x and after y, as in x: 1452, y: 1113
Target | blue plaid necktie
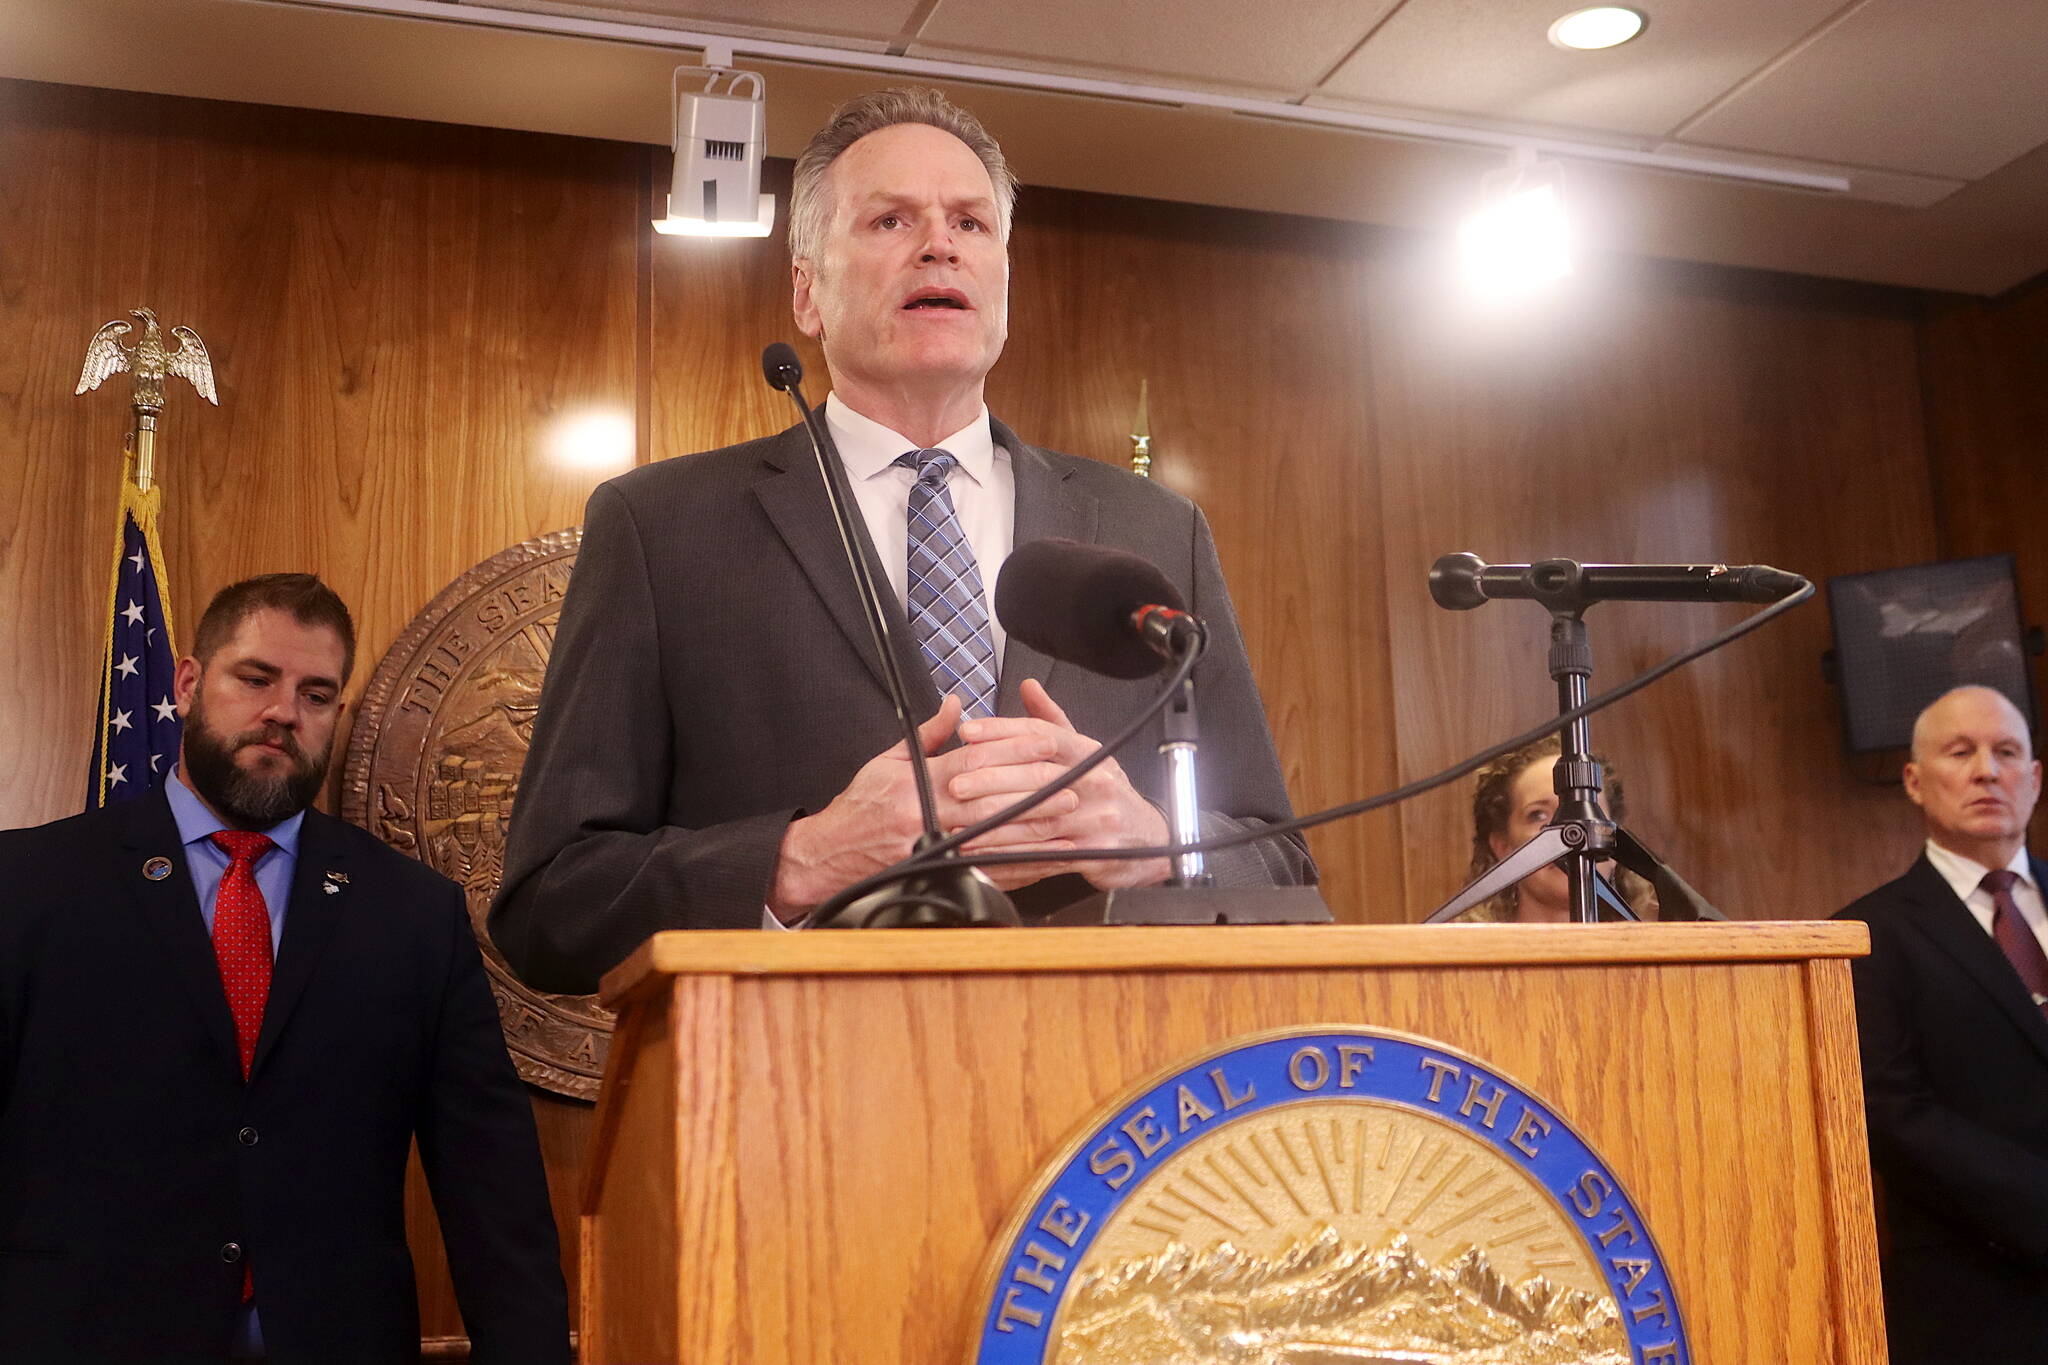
x: 947, y: 608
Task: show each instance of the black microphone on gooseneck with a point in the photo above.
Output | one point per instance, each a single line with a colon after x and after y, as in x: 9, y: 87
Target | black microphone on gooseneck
x: 1108, y: 611
x: 955, y: 895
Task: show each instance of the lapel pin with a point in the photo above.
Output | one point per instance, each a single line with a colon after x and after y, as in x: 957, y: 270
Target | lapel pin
x: 329, y: 887
x: 338, y: 877
x: 156, y: 869
x: 334, y: 882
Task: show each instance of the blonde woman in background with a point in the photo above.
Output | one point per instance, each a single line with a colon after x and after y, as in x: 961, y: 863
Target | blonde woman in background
x: 1512, y: 802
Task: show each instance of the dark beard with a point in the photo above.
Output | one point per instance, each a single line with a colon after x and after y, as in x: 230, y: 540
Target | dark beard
x: 248, y: 800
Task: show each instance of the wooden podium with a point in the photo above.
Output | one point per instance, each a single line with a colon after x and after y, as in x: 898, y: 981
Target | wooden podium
x: 807, y: 1143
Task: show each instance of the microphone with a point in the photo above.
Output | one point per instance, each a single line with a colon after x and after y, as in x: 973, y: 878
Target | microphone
x: 783, y: 370
x: 954, y: 895
x: 1111, y: 612
x: 1460, y: 582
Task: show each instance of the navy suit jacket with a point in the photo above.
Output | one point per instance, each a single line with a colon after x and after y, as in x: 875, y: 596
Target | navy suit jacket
x: 133, y: 1156
x: 713, y: 677
x: 1955, y: 1079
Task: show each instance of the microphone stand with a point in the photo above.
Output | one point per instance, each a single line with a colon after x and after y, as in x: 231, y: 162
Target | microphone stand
x: 938, y: 897
x: 1581, y: 834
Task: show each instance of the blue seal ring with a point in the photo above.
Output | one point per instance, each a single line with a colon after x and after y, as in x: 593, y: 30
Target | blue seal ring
x: 1107, y: 1162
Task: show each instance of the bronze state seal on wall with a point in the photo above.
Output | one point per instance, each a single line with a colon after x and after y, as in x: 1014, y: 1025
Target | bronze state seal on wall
x: 433, y: 769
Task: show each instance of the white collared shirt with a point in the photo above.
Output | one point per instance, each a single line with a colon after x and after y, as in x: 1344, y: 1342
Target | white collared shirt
x: 983, y: 488
x: 984, y: 492
x: 1966, y: 878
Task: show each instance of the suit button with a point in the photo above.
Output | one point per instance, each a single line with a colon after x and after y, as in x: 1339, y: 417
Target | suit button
x: 247, y: 1137
x: 231, y: 1253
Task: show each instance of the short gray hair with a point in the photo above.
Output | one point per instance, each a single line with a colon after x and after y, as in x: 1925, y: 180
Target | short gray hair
x: 810, y: 211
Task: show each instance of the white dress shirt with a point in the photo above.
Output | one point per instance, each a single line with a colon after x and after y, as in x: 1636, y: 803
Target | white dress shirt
x: 984, y: 492
x: 1966, y: 879
x: 982, y: 485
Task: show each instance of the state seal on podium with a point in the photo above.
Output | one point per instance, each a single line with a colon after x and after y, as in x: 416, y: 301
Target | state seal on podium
x: 1328, y: 1196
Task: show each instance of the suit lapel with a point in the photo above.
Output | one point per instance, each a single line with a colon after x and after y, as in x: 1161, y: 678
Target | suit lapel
x: 311, y: 914
x: 169, y: 907
x: 1048, y: 507
x: 1949, y: 923
x: 793, y: 496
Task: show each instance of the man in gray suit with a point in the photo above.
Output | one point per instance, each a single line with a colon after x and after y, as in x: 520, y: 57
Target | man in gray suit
x: 713, y: 748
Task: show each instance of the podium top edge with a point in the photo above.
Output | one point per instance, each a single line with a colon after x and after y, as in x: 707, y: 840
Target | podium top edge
x: 917, y: 952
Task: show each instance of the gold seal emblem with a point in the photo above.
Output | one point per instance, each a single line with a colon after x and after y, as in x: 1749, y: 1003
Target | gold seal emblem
x: 433, y: 769
x: 1352, y: 1231
x: 1328, y: 1196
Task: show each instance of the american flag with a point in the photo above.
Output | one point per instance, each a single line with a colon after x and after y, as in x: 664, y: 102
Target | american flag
x: 135, y: 742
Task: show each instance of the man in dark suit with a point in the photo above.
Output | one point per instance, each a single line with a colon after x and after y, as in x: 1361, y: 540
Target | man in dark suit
x: 202, y: 1151
x: 714, y: 745
x: 1955, y: 1048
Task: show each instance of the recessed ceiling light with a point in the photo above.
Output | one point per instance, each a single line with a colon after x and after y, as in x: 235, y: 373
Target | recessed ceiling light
x: 1588, y: 30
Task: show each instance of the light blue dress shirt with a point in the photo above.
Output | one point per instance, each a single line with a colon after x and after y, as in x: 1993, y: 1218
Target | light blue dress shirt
x: 208, y: 863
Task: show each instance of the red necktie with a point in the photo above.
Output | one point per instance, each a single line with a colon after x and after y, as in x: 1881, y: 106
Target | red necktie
x: 241, y: 937
x: 2015, y: 936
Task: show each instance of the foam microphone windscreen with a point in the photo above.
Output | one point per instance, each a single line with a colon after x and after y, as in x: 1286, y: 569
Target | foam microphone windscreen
x: 1075, y: 601
x: 780, y: 365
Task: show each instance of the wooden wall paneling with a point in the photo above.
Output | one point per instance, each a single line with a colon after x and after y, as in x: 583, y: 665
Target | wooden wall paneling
x: 1250, y: 331
x: 1987, y: 435
x: 397, y: 312
x: 1657, y: 414
x: 64, y: 269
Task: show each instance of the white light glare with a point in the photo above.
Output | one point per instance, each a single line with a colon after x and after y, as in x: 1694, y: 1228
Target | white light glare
x: 761, y: 225
x: 1589, y: 30
x: 593, y: 440
x: 1516, y: 244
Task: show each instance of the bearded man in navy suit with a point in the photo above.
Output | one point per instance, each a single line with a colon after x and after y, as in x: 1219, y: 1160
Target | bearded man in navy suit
x: 1950, y: 1006
x: 224, y: 1019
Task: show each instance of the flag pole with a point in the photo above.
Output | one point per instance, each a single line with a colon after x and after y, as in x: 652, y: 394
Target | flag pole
x: 137, y: 728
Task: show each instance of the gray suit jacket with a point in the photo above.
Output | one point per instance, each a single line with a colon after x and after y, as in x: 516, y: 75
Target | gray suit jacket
x: 712, y: 679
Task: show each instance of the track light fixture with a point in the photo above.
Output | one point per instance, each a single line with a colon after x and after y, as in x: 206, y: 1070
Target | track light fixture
x: 719, y: 132
x: 1519, y: 239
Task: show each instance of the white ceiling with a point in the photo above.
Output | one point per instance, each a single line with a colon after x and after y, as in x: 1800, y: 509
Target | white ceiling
x: 1933, y: 110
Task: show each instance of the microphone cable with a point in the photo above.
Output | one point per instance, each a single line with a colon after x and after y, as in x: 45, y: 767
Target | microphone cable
x: 1237, y: 839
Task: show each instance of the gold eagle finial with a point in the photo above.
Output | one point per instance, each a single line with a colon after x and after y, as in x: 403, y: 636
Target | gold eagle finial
x: 149, y: 360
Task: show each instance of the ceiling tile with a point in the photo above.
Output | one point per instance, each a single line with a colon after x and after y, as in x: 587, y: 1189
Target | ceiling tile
x: 1494, y: 59
x: 1215, y: 42
x: 1953, y: 89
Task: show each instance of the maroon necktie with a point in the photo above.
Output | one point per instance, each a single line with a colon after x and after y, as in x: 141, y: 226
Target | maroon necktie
x: 241, y: 937
x: 2015, y: 936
